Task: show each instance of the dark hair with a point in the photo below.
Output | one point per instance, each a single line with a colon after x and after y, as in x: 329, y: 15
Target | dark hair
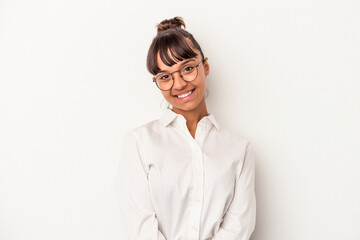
x: 171, y: 37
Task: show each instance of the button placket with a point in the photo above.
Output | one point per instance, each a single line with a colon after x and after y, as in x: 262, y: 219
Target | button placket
x: 197, y: 191
x: 202, y: 129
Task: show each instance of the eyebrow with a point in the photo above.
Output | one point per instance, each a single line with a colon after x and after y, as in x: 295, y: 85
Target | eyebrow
x: 189, y: 60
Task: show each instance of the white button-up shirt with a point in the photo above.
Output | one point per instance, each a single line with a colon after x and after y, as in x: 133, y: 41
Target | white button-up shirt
x: 175, y: 187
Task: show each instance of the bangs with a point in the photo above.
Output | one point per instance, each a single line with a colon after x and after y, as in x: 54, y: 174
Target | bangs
x: 172, y: 48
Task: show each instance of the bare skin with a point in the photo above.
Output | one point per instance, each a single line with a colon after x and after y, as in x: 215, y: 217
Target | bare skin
x: 193, y: 110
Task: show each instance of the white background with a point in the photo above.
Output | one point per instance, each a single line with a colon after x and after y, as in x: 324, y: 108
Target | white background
x: 73, y: 79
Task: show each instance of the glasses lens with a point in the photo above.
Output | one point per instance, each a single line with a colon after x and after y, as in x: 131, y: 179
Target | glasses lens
x: 164, y: 81
x: 189, y: 72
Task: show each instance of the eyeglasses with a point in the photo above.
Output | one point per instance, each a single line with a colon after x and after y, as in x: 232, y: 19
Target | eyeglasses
x: 188, y: 72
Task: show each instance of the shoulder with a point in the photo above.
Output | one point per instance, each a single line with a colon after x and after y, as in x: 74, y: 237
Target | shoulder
x: 234, y: 138
x: 236, y: 145
x: 240, y: 148
x: 144, y: 132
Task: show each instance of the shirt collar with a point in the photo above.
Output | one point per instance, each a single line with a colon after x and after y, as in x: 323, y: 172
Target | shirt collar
x: 169, y: 116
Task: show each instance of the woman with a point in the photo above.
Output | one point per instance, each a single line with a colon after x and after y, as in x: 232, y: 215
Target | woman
x: 183, y: 177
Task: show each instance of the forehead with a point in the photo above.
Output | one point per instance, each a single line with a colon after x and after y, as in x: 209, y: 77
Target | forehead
x: 162, y: 66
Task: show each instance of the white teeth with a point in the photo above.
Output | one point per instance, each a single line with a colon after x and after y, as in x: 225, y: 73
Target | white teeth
x: 184, y: 95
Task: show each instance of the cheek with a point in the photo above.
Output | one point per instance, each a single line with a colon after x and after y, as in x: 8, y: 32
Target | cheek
x: 200, y: 83
x: 166, y: 94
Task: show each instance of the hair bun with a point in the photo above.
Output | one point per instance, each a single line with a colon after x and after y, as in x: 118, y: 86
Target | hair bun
x: 175, y: 22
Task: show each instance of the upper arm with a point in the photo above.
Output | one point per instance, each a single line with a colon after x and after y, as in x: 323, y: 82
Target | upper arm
x: 133, y: 194
x: 239, y: 220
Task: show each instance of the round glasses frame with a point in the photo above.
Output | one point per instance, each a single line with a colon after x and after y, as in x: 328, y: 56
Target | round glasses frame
x: 172, y: 78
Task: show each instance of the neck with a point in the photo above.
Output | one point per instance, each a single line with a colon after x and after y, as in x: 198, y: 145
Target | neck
x: 193, y: 116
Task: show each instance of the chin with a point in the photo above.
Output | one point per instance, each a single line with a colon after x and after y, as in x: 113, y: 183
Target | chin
x: 186, y: 107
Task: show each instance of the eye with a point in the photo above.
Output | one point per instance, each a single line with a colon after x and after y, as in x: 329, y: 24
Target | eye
x: 164, y: 77
x: 188, y: 68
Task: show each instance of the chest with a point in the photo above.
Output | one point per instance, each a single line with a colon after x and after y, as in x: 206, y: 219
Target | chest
x: 175, y: 169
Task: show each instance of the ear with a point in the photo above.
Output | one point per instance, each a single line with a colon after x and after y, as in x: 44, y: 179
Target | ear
x: 206, y: 66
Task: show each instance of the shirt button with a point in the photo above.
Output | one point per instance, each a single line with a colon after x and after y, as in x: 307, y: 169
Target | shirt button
x: 196, y: 198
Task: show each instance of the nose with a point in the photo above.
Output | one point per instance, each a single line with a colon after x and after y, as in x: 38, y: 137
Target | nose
x: 179, y: 83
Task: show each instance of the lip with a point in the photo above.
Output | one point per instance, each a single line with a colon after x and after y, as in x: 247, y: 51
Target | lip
x: 187, y: 98
x: 183, y: 92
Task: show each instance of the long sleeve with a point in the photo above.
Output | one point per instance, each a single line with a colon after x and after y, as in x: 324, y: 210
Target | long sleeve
x: 132, y: 190
x: 239, y: 220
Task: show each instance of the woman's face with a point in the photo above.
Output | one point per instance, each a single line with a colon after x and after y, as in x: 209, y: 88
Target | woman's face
x: 196, y: 99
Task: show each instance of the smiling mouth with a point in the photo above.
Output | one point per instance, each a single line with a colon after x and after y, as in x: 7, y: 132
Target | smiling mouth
x: 191, y: 91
